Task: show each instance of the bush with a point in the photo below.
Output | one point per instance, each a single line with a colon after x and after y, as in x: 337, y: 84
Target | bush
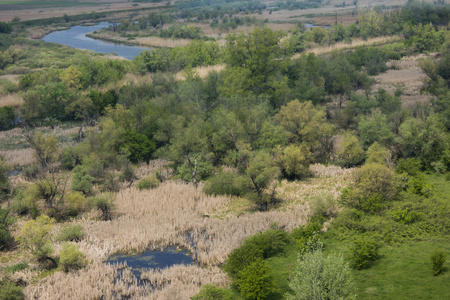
x: 82, y: 181
x: 104, y: 205
x: 10, y: 291
x: 70, y: 258
x: 241, y: 257
x: 255, y: 280
x: 70, y: 233
x: 271, y: 242
x: 68, y: 157
x: 363, y: 252
x: 25, y: 201
x: 31, y: 172
x: 5, y: 235
x: 147, y: 183
x: 17, y: 267
x: 226, y: 183
x: 294, y: 161
x: 319, y: 277
x: 438, y: 259
x: 323, y: 206
x: 75, y: 204
x: 212, y: 292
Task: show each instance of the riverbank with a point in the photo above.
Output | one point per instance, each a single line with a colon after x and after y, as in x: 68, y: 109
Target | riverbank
x: 151, y: 41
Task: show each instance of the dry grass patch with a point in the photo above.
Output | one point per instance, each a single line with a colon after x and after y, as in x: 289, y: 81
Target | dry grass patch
x: 174, y: 214
x: 151, y: 41
x: 11, y: 77
x: 11, y: 100
x: 201, y: 72
x: 18, y: 157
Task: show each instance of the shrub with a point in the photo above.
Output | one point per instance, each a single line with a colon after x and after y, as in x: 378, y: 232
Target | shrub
x: 147, y: 183
x: 35, y: 236
x: 82, y: 181
x: 271, y: 242
x: 70, y: 233
x: 75, y: 203
x: 351, y: 152
x: 294, y: 161
x: 312, y: 244
x: 68, y: 157
x: 104, y: 205
x: 226, y: 183
x: 241, y: 257
x: 405, y: 216
x: 255, y: 280
x: 212, y: 292
x: 17, y: 267
x: 70, y: 258
x: 10, y: 291
x: 319, y: 277
x: 25, y: 201
x: 363, y: 252
x: 410, y: 166
x: 438, y: 259
x: 31, y: 172
x: 5, y: 235
x: 323, y: 206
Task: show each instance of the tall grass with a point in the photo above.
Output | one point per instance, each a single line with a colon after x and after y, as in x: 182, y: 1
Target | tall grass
x: 11, y: 100
x: 174, y: 214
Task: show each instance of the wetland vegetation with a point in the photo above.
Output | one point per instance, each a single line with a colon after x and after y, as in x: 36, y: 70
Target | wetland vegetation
x: 281, y: 158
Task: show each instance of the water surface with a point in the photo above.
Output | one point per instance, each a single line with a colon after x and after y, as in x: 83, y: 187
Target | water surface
x: 76, y: 37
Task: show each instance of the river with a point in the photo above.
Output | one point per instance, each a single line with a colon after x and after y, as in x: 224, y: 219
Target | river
x: 76, y: 37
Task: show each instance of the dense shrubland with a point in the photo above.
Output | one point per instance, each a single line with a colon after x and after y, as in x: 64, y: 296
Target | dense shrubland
x: 242, y: 132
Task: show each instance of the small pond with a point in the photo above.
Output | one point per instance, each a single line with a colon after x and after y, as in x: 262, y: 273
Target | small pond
x: 76, y: 37
x: 152, y: 259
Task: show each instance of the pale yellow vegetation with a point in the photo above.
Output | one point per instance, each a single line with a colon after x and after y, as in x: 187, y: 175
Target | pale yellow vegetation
x: 11, y: 100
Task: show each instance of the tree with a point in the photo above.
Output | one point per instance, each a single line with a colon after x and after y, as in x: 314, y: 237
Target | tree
x: 379, y: 155
x: 294, y: 161
x: 255, y: 280
x: 257, y: 53
x: 45, y: 148
x: 350, y: 151
x: 5, y: 235
x: 35, y: 236
x: 212, y: 292
x: 4, y: 180
x: 189, y: 145
x: 263, y: 174
x: 375, y: 128
x: 81, y: 180
x: 323, y: 278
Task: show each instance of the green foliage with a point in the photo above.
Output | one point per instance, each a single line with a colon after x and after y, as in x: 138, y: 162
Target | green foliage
x: 10, y: 291
x: 350, y: 151
x: 318, y: 277
x: 104, y: 205
x: 17, y: 267
x: 226, y: 183
x: 35, y: 236
x: 263, y: 174
x: 306, y: 236
x: 323, y: 206
x: 69, y: 232
x: 374, y: 186
x: 7, y: 117
x: 147, y: 183
x: 375, y: 128
x: 272, y: 242
x: 294, y: 161
x: 212, y: 292
x: 25, y: 201
x: 363, y: 252
x: 377, y: 154
x: 410, y: 166
x: 4, y: 180
x: 438, y: 259
x: 240, y: 258
x: 70, y: 258
x: 255, y: 280
x: 81, y: 180
x: 68, y: 157
x: 406, y: 215
x: 5, y: 235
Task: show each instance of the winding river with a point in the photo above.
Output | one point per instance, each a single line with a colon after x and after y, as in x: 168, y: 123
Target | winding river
x: 76, y: 37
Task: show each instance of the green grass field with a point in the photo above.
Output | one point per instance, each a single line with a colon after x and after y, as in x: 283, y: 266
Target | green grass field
x: 25, y: 4
x: 402, y: 271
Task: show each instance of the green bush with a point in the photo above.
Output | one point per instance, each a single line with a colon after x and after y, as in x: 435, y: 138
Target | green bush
x: 319, y: 277
x: 241, y: 257
x: 104, y: 205
x: 70, y: 258
x: 405, y: 216
x: 363, y: 252
x: 255, y: 280
x: 82, y: 181
x: 70, y: 233
x: 212, y: 292
x: 75, y: 203
x: 10, y: 291
x: 5, y: 235
x: 324, y: 206
x: 147, y: 183
x: 31, y: 172
x: 17, y: 267
x: 438, y: 259
x: 226, y: 183
x: 271, y: 242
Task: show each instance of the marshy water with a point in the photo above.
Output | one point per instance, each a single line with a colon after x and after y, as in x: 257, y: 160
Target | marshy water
x: 152, y: 259
x: 76, y: 37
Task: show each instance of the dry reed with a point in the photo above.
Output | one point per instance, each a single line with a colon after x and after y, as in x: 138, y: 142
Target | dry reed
x: 11, y: 100
x: 201, y: 72
x: 18, y: 157
x: 319, y: 170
